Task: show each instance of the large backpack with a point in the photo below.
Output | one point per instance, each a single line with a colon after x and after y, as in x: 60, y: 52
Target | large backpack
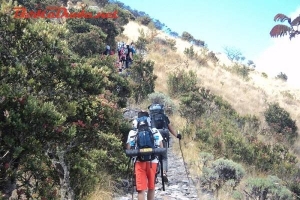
x: 157, y: 115
x: 158, y: 120
x: 144, y: 136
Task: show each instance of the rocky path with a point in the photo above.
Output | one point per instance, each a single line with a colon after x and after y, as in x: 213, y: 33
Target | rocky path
x: 179, y: 187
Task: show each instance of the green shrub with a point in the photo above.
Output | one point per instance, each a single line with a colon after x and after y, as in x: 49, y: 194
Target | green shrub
x: 222, y: 172
x: 181, y: 82
x: 212, y: 56
x: 241, y: 70
x: 267, y: 188
x: 161, y: 98
x: 280, y: 121
x: 191, y: 106
x: 189, y: 52
x: 263, y: 74
x: 282, y: 76
x: 142, y: 41
x: 171, y: 43
x: 141, y: 78
x: 144, y: 20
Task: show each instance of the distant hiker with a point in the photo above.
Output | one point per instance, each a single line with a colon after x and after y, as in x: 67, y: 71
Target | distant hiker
x: 145, y: 167
x: 122, y: 52
x: 160, y: 121
x: 107, y: 50
x: 133, y: 48
x: 129, y: 56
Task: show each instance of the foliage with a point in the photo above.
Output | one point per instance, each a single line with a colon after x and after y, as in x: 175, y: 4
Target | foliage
x: 187, y: 36
x: 171, y: 43
x: 270, y: 187
x: 282, y: 76
x: 212, y: 56
x: 142, y: 78
x: 144, y: 20
x: 61, y: 115
x: 191, y: 106
x: 181, y: 82
x: 241, y: 70
x: 142, y: 42
x: 280, y: 121
x: 189, y: 52
x: 234, y: 54
x: 161, y: 98
x: 222, y: 172
x: 263, y: 74
x: 281, y: 30
x: 198, y: 43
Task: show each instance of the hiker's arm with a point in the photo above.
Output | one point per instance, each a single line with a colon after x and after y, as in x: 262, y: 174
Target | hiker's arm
x: 161, y: 145
x: 128, y: 146
x: 172, y: 130
x: 130, y: 55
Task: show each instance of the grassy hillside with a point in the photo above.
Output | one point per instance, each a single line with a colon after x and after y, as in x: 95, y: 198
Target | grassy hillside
x: 248, y: 96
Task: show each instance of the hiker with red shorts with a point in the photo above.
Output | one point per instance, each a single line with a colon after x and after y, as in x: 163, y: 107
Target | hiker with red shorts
x: 145, y: 171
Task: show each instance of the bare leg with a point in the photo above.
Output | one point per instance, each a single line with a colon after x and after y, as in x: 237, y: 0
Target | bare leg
x: 141, y: 195
x: 150, y: 194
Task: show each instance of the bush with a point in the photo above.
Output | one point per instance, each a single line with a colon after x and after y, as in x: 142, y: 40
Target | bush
x: 212, y: 56
x: 144, y: 20
x: 282, y: 76
x: 263, y: 74
x: 222, y: 172
x: 267, y: 188
x: 280, y: 121
x: 182, y: 82
x: 187, y: 36
x: 241, y: 70
x: 141, y: 78
x: 191, y: 106
x: 189, y: 52
x: 161, y: 98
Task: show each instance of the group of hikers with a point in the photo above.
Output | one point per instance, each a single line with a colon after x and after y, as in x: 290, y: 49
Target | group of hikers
x: 125, y: 54
x: 151, y: 130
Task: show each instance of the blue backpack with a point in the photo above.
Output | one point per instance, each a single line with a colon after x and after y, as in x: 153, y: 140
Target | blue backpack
x: 144, y: 138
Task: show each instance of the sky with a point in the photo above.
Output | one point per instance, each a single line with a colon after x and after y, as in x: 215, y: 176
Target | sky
x: 244, y: 25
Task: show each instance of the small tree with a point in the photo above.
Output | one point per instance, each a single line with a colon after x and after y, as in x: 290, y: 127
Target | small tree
x: 234, y: 54
x: 280, y: 121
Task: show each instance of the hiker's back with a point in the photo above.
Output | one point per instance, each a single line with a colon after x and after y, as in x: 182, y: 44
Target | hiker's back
x: 160, y: 121
x: 146, y: 137
x: 158, y: 118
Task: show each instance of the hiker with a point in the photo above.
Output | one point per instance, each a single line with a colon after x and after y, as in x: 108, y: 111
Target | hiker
x: 160, y: 121
x: 132, y: 47
x: 129, y: 56
x: 145, y: 170
x: 122, y: 53
x: 107, y: 50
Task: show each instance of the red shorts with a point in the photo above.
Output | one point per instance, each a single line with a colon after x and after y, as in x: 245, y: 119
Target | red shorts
x: 145, y: 175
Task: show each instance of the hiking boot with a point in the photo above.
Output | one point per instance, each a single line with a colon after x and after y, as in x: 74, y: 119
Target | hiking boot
x: 165, y: 178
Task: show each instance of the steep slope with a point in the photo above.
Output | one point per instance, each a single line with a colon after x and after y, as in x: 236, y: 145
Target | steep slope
x: 247, y: 97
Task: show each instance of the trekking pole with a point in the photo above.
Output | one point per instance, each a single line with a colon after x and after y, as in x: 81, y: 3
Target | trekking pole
x: 161, y: 172
x: 186, y: 171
